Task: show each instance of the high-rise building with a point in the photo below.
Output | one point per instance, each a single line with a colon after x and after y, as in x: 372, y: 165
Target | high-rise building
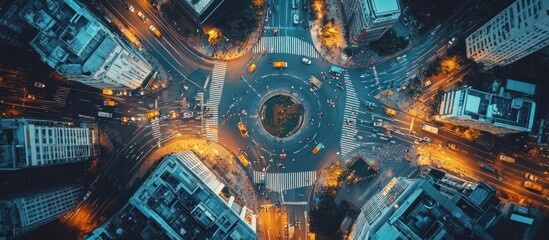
x: 438, y: 207
x: 34, y: 143
x: 77, y: 45
x: 497, y: 114
x: 368, y: 20
x: 203, y: 12
x: 10, y: 26
x: 182, y: 199
x: 517, y: 31
x: 24, y: 212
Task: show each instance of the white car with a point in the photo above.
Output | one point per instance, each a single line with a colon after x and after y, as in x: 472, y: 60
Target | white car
x: 142, y: 16
x: 452, y: 41
x: 131, y: 8
x: 306, y: 61
x: 296, y: 18
x: 39, y: 85
x: 427, y: 84
x: 531, y: 177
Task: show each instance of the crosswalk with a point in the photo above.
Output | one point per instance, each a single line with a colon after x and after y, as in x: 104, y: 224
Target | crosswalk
x: 155, y: 123
x: 280, y: 182
x: 286, y: 44
x: 352, y: 104
x: 214, y: 97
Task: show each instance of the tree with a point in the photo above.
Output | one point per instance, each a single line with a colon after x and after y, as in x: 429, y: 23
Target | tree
x: 472, y: 134
x: 448, y: 65
x: 389, y: 43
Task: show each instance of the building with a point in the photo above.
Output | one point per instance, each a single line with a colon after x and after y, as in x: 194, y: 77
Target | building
x: 10, y: 26
x: 507, y: 112
x: 182, y: 199
x: 22, y: 213
x: 517, y: 31
x: 418, y: 209
x: 204, y: 12
x: 368, y: 20
x: 77, y: 45
x: 34, y: 143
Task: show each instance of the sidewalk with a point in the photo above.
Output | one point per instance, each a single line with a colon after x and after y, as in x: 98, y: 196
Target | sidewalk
x: 216, y: 157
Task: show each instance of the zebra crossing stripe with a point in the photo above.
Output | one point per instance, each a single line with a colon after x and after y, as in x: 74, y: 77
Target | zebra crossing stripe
x: 214, y: 98
x: 352, y: 103
x: 280, y: 182
x: 286, y: 44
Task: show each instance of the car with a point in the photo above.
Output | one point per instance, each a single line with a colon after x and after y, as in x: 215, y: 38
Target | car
x: 306, y: 61
x: 531, y: 177
x: 318, y: 147
x: 275, y: 32
x: 39, y: 85
x: 452, y: 41
x: 340, y: 86
x: 32, y: 97
x: 242, y: 129
x: 390, y: 111
x: 131, y: 8
x: 488, y: 168
x: 109, y: 103
x: 401, y: 58
x: 124, y: 119
x: 427, y: 83
x: 142, y: 16
x: 251, y: 68
x: 452, y: 146
x: 378, y: 124
x: 296, y: 18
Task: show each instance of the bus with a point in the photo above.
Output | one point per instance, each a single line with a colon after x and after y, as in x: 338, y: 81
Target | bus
x: 428, y: 128
x: 104, y: 114
x: 335, y: 70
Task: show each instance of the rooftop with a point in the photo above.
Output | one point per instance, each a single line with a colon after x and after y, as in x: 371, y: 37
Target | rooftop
x: 185, y: 199
x: 499, y: 110
x: 385, y: 6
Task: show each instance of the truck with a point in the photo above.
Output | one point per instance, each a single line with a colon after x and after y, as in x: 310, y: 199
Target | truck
x: 429, y: 128
x: 155, y: 31
x: 504, y: 158
x: 104, y: 114
x: 280, y: 64
x: 533, y: 186
x: 316, y: 82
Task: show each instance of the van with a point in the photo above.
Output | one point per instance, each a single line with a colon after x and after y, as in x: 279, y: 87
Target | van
x: 280, y: 64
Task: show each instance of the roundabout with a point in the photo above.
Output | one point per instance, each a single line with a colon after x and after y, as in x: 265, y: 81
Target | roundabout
x: 281, y: 114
